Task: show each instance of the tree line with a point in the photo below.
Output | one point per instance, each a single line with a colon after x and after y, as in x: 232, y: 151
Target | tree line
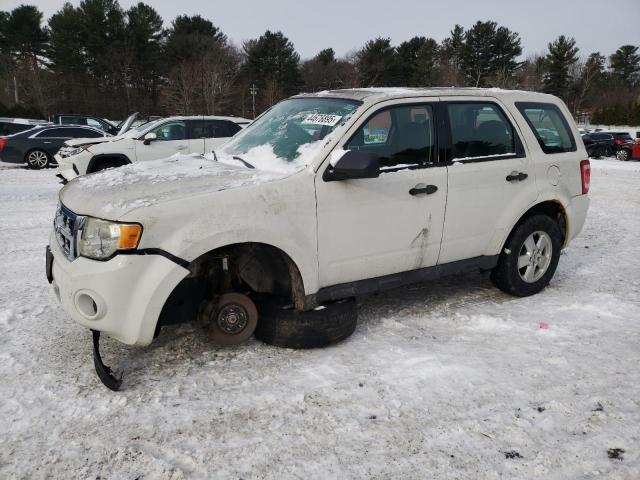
x: 100, y: 59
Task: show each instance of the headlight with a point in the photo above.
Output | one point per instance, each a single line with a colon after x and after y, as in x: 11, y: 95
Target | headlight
x: 101, y: 239
x: 74, y: 151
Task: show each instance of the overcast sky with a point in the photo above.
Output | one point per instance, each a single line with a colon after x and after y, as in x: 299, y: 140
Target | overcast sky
x: 346, y: 25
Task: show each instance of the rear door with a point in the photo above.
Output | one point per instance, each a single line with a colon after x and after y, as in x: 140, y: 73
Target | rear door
x: 491, y: 179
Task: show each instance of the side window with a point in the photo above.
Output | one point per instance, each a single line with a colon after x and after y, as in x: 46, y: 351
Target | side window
x: 86, y: 133
x: 73, y: 121
x: 232, y: 128
x: 402, y: 136
x: 479, y: 130
x: 54, y: 133
x: 92, y: 122
x: 171, y: 131
x: 197, y: 129
x: 549, y: 126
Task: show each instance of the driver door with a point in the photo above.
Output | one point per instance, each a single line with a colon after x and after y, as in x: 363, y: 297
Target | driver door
x: 379, y: 226
x: 171, y: 138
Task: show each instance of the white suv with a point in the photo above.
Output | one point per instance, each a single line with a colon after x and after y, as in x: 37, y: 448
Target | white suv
x: 149, y: 141
x: 324, y: 198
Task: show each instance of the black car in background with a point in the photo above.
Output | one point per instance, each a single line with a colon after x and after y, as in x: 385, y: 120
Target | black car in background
x: 599, y: 144
x: 9, y: 126
x: 88, y: 120
x: 37, y: 146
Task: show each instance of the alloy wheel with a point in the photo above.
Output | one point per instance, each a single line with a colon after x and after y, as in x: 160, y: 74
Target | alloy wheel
x: 534, y: 257
x: 37, y: 159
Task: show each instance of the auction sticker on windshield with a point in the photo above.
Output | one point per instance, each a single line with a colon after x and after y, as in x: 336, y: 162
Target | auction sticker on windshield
x: 322, y: 119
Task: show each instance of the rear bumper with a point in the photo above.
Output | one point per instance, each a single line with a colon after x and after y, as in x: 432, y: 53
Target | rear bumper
x: 122, y: 297
x: 576, y: 216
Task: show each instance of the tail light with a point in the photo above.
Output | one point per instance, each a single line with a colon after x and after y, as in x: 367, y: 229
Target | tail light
x: 3, y: 142
x: 585, y: 174
x: 619, y: 141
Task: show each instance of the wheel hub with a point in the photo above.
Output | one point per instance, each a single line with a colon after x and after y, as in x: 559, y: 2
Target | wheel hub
x: 232, y: 319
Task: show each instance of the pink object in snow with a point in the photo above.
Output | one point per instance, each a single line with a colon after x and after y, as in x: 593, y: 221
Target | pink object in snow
x: 544, y: 325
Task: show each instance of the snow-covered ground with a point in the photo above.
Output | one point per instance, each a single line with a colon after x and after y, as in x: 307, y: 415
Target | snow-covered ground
x: 449, y: 379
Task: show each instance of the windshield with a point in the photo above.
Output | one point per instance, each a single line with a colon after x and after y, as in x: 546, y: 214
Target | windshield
x: 287, y: 136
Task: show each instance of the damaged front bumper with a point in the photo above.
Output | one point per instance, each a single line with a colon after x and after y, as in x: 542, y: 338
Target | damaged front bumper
x: 122, y: 297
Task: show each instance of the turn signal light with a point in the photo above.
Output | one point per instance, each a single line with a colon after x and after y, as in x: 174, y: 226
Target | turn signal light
x: 129, y: 236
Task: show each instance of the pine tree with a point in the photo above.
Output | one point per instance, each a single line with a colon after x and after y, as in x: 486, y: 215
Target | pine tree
x: 625, y: 65
x: 563, y: 53
x: 376, y: 63
x: 489, y: 54
x: 272, y: 64
x: 417, y: 62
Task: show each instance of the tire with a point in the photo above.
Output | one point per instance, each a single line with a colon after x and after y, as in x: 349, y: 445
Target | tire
x: 289, y: 328
x: 531, y: 277
x: 37, y: 159
x: 623, y: 155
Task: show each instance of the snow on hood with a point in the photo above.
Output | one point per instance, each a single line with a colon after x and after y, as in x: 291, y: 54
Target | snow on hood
x: 113, y: 193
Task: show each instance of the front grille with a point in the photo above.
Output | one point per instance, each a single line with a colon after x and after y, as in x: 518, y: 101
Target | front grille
x: 67, y: 225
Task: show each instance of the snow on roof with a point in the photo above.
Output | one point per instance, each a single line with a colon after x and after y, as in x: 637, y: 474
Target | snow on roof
x: 379, y: 93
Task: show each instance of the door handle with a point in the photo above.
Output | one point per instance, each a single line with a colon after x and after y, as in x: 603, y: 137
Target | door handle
x: 516, y: 177
x: 181, y: 147
x: 422, y: 189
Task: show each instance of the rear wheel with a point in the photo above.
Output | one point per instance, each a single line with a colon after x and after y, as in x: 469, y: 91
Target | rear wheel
x: 37, y: 159
x: 530, y: 257
x: 623, y: 154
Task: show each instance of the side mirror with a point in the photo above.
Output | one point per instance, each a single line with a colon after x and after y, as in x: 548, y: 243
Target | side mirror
x: 149, y: 137
x: 354, y: 164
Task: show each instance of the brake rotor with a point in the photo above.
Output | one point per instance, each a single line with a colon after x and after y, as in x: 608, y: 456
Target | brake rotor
x: 229, y: 319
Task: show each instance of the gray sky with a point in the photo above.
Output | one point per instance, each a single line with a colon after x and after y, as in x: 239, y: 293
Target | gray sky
x: 346, y: 25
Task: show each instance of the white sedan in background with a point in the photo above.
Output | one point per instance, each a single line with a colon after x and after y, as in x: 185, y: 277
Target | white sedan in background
x: 149, y: 141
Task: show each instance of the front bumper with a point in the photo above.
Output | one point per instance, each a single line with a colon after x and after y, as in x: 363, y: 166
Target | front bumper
x: 122, y: 297
x: 65, y: 168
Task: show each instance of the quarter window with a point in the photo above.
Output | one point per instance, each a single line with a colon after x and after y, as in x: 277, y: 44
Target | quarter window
x: 401, y: 136
x: 479, y: 130
x: 549, y: 126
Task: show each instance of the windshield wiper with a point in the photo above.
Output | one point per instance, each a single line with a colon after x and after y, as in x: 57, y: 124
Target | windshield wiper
x: 246, y: 164
x: 215, y: 157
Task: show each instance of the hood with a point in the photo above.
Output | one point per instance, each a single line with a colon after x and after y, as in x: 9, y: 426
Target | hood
x: 126, y: 125
x: 76, y: 142
x: 113, y: 193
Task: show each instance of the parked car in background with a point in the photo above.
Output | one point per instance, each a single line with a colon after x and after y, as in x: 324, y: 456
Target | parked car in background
x: 629, y: 150
x: 9, y: 126
x: 38, y: 146
x: 620, y: 138
x: 86, y: 120
x: 150, y: 141
x: 599, y: 144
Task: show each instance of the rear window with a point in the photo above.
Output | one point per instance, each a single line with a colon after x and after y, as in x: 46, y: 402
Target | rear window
x: 549, y: 126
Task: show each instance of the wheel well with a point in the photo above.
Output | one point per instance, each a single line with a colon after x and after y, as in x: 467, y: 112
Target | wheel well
x: 257, y: 269
x: 550, y: 208
x: 115, y: 160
